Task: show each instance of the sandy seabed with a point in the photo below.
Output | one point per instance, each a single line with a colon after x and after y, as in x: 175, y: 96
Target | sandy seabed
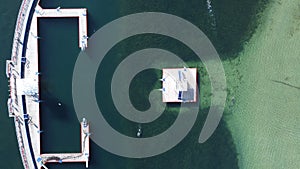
x: 265, y: 120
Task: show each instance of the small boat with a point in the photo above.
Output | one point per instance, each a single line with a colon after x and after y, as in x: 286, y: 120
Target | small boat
x: 139, y: 132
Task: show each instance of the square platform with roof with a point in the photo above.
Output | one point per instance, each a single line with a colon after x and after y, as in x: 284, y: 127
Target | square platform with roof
x: 179, y: 85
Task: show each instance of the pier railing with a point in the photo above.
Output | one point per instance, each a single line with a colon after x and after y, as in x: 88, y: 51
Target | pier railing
x: 13, y: 70
x: 20, y: 29
x: 18, y: 123
x: 13, y: 73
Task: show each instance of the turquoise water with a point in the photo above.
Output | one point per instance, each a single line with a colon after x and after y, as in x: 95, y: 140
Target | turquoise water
x: 58, y: 49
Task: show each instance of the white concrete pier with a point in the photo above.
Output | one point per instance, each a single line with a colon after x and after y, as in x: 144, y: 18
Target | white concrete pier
x: 80, y: 13
x: 23, y: 73
x: 72, y: 157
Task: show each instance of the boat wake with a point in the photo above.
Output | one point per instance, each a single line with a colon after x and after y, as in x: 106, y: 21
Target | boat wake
x: 212, y: 18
